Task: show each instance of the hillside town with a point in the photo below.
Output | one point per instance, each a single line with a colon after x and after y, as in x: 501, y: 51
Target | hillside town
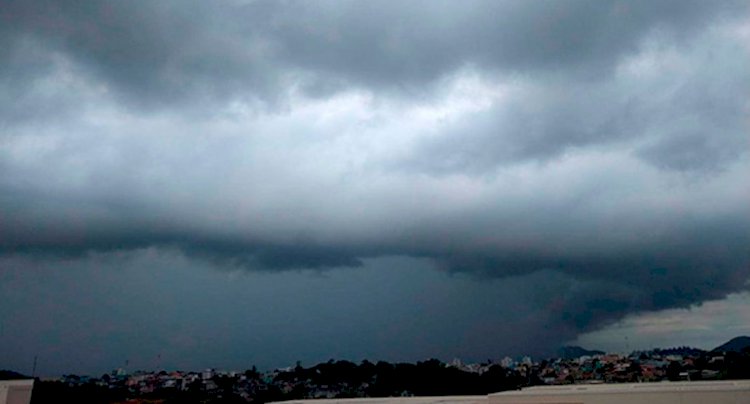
x: 344, y: 379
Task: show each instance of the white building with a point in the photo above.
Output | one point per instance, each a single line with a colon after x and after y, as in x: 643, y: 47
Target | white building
x: 16, y: 391
x: 507, y: 362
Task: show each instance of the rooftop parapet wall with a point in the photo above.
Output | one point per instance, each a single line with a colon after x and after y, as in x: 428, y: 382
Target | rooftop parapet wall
x: 724, y: 392
x: 719, y: 392
x: 394, y: 400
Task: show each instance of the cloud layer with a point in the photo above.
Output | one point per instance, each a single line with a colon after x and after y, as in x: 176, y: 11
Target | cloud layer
x: 599, y: 144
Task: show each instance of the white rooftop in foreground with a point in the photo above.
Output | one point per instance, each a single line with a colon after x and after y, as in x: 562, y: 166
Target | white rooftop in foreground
x: 396, y: 400
x: 714, y: 392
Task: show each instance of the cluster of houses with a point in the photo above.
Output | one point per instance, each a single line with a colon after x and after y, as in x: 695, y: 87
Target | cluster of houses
x: 251, y: 385
x: 613, y: 368
x: 646, y: 366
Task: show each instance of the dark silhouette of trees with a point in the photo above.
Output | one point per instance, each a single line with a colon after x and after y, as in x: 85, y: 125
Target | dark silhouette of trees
x: 673, y: 371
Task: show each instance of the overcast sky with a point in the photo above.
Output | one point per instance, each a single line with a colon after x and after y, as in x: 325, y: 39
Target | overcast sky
x: 198, y: 184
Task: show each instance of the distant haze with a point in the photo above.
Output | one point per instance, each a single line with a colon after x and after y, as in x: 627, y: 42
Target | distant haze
x: 191, y: 184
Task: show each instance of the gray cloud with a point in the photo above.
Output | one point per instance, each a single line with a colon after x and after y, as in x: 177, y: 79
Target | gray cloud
x: 597, y: 150
x: 167, y: 53
x: 683, y: 108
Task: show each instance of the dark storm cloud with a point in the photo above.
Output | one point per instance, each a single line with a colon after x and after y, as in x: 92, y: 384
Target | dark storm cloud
x: 149, y: 54
x: 277, y: 257
x: 425, y: 40
x: 171, y: 52
x: 598, y: 146
x: 67, y: 239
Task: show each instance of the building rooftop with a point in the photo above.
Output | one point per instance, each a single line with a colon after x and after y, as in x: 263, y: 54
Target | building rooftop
x: 696, y: 392
x: 397, y: 400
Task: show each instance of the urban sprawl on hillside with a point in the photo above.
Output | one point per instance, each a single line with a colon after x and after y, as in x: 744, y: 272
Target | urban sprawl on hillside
x: 344, y: 379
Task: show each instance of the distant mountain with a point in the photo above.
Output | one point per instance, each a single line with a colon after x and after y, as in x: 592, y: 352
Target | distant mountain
x: 681, y: 351
x: 574, y: 352
x: 11, y: 375
x: 736, y: 344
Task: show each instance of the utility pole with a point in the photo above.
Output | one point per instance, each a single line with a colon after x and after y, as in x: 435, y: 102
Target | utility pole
x: 627, y: 346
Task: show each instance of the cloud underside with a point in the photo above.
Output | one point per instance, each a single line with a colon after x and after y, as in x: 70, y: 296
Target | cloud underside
x: 601, y: 144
